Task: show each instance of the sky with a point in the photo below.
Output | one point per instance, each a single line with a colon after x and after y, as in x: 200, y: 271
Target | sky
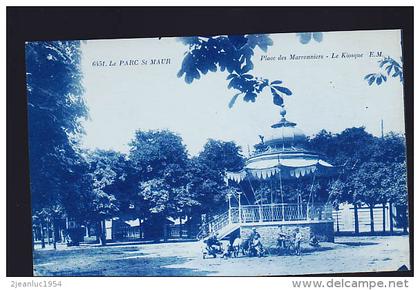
x: 328, y: 93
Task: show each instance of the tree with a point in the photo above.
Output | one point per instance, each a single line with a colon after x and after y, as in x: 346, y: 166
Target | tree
x: 208, y: 185
x: 231, y: 53
x: 46, y: 220
x: 391, y: 152
x: 394, y: 190
x: 390, y: 149
x: 222, y: 156
x: 366, y: 184
x: 347, y: 150
x: 338, y: 192
x: 369, y: 167
x: 263, y: 195
x: 157, y: 193
x: 207, y: 172
x: 389, y: 68
x: 55, y: 109
x: 161, y: 160
x: 399, y: 193
x: 158, y: 153
x: 107, y: 173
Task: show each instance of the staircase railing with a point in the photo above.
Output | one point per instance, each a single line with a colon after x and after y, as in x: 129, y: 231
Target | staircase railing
x: 217, y: 223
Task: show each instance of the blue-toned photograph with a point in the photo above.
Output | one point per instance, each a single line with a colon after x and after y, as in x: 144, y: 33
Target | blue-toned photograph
x: 230, y: 155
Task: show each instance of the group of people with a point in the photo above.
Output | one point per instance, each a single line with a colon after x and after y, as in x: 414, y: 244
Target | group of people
x: 286, y: 244
x: 252, y: 246
x: 291, y: 243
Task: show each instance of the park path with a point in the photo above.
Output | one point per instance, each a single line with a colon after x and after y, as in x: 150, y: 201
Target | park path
x: 348, y: 254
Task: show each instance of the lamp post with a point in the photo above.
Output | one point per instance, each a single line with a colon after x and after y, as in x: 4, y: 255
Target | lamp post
x: 239, y: 207
x: 229, y: 196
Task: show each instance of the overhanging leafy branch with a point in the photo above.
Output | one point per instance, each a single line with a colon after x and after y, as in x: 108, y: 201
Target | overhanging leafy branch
x: 390, y: 68
x: 232, y: 53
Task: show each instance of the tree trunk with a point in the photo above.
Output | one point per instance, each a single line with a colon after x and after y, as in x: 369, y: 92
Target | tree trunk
x: 98, y: 232
x: 391, y: 219
x: 33, y: 239
x: 103, y: 233
x: 180, y: 227
x: 54, y: 227
x: 372, y: 221
x: 384, y: 217
x: 356, y: 219
x: 140, y: 229
x: 189, y: 218
x: 165, y: 232
x: 405, y: 220
x: 59, y: 240
x: 337, y: 220
x: 42, y: 236
x: 62, y: 235
x: 48, y: 233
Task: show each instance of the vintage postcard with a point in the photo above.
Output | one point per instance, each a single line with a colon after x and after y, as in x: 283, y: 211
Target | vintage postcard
x: 221, y: 155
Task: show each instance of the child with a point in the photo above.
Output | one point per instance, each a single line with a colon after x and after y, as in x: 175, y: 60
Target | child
x: 298, y: 239
x: 281, y: 241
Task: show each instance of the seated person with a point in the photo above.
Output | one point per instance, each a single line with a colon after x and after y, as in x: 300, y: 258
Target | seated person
x: 257, y: 247
x: 256, y: 241
x: 281, y: 239
x: 213, y: 242
x: 313, y: 241
x: 254, y: 234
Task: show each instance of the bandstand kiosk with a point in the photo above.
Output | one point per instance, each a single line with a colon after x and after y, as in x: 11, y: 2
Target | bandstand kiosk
x: 283, y: 158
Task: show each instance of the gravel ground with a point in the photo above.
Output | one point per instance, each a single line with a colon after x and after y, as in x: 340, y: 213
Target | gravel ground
x: 347, y: 254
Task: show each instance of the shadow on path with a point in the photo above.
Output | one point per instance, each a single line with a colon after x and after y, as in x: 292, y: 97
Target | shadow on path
x: 357, y: 244
x: 129, y: 261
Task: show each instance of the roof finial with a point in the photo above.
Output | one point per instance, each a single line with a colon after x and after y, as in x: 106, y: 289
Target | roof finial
x: 283, y: 112
x: 283, y: 122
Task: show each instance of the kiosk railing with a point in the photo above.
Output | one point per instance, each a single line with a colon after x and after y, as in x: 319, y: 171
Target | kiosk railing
x: 278, y: 212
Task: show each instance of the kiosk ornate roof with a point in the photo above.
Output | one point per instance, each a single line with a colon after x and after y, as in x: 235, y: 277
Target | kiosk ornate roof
x: 285, y: 134
x: 284, y: 155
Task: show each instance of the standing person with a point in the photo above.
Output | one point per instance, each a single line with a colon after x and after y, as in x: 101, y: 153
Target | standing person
x: 298, y: 239
x: 281, y: 241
